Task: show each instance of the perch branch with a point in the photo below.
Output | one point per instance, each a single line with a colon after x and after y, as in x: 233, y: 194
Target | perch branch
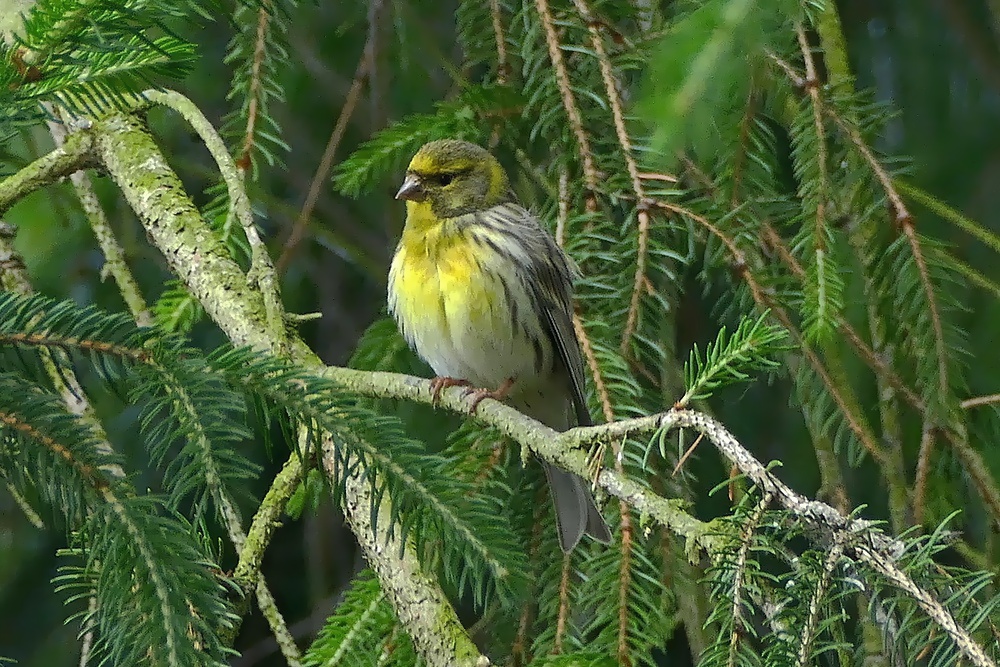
x: 198, y: 257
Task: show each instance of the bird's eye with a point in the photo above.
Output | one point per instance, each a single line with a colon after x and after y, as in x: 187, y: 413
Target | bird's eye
x: 444, y: 179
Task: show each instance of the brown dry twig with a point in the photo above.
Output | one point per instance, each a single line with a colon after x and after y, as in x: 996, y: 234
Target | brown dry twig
x: 590, y: 176
x: 260, y: 46
x: 621, y: 131
x: 319, y: 178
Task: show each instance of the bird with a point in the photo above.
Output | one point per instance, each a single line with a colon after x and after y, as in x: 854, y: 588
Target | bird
x: 483, y: 293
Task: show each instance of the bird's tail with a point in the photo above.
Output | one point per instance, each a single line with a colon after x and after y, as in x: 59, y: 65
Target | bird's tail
x: 576, y: 512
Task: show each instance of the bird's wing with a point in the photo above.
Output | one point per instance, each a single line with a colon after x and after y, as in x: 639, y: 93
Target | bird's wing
x: 555, y: 301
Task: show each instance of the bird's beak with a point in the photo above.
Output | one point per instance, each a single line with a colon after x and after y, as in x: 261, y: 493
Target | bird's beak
x: 411, y: 189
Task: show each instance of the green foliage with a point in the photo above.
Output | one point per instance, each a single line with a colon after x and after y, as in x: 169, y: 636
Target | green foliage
x: 90, y: 57
x: 157, y: 590
x: 176, y: 310
x: 160, y: 601
x: 703, y: 69
x: 356, y: 633
x: 778, y: 222
x: 732, y: 358
x: 259, y: 53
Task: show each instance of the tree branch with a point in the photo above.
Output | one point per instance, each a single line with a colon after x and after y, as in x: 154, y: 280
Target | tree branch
x: 66, y: 159
x: 114, y: 254
x: 196, y: 255
x: 861, y: 538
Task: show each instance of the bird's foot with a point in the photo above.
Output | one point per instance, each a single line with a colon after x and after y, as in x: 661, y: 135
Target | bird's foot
x: 480, y: 395
x: 439, y: 384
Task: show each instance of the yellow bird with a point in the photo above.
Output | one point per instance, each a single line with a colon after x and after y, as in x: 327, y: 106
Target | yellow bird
x: 483, y: 294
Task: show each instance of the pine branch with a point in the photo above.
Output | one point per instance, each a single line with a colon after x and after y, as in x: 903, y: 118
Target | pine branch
x: 175, y: 226
x: 732, y: 359
x: 72, y: 156
x: 569, y: 101
x: 260, y: 51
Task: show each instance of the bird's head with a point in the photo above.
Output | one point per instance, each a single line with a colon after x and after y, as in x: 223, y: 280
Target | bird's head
x: 454, y: 178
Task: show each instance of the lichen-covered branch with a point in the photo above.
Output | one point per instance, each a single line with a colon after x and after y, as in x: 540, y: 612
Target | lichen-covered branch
x: 132, y: 159
x: 861, y: 538
x: 114, y: 255
x: 72, y: 156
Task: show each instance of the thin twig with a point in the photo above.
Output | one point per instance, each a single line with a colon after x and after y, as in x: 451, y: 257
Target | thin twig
x: 812, y: 620
x: 866, y: 353
x: 569, y: 102
x: 87, y: 644
x: 903, y: 218
x: 29, y: 512
x: 812, y: 86
x: 563, y: 212
x: 621, y: 131
x: 740, y: 571
x: 922, y: 473
x: 563, y: 616
x: 501, y: 42
x: 686, y: 455
x: 603, y: 397
x: 986, y: 236
x: 980, y: 400
x: 319, y: 178
x: 797, y: 79
x: 114, y: 255
x: 265, y: 522
x: 260, y: 46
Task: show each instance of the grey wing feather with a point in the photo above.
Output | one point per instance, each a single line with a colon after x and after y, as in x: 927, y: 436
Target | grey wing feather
x: 560, y: 325
x: 554, y: 271
x: 557, y: 307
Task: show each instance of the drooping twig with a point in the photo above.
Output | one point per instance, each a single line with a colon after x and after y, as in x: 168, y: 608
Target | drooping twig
x: 625, y: 142
x: 980, y: 400
x: 812, y: 620
x: 906, y: 222
x: 256, y: 85
x: 319, y: 178
x: 812, y: 85
x: 739, y: 572
x: 903, y: 218
x: 563, y: 616
x: 501, y: 41
x: 867, y: 354
x: 923, y: 471
x: 569, y: 101
x: 986, y: 236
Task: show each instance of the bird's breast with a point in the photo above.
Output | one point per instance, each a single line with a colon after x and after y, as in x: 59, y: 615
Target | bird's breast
x: 455, y: 310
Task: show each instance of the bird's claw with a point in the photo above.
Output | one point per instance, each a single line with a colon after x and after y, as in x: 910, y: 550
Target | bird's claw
x: 439, y: 384
x: 480, y: 395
